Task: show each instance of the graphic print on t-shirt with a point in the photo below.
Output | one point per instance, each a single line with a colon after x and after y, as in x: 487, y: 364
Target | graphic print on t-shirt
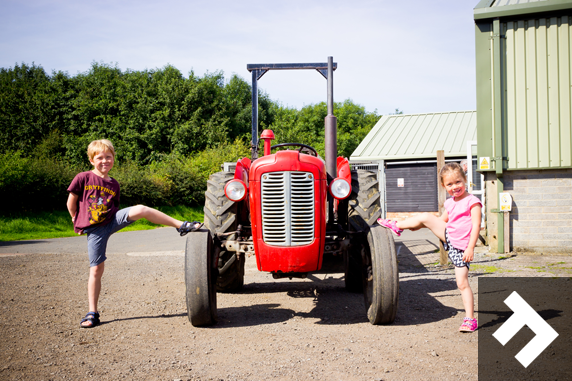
x: 98, y: 207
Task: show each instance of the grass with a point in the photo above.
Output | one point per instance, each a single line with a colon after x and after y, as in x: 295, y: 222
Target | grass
x: 485, y: 268
x: 57, y: 224
x: 489, y: 269
x: 555, y: 264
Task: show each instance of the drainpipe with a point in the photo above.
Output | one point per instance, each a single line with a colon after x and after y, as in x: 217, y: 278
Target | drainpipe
x: 499, y: 94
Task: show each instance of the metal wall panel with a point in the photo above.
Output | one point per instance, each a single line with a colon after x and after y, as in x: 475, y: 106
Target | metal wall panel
x: 537, y: 78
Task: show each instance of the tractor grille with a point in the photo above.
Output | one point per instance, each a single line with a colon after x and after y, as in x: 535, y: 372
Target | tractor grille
x: 288, y: 208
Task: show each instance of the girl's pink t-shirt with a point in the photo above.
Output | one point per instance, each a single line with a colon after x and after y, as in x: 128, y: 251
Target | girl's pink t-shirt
x: 460, y: 223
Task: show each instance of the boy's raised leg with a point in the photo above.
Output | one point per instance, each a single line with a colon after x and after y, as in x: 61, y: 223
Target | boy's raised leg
x: 157, y: 217
x: 152, y: 215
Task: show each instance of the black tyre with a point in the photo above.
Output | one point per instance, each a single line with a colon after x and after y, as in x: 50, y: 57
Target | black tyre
x: 363, y: 211
x: 381, y: 278
x: 353, y: 267
x: 221, y: 216
x: 200, y: 278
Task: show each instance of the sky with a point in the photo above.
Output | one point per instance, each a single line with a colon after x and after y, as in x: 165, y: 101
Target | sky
x: 417, y: 56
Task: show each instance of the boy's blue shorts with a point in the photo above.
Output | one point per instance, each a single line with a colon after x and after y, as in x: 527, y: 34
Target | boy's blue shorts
x: 98, y: 236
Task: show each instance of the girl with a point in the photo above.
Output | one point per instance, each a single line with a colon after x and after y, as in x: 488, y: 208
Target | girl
x: 458, y: 228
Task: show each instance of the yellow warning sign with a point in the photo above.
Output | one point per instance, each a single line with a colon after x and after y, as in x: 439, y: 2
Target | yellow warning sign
x: 505, y: 202
x: 484, y: 163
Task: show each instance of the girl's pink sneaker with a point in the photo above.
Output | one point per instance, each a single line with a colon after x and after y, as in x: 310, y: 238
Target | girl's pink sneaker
x: 469, y: 325
x: 390, y: 225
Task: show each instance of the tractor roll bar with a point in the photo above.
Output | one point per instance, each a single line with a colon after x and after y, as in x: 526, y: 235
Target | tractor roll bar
x: 326, y: 69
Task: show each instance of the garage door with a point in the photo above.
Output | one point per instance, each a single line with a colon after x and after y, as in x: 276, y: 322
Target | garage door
x: 411, y: 187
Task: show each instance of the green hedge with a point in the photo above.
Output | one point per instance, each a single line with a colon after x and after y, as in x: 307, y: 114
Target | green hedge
x: 153, y: 113
x: 37, y: 183
x: 29, y: 184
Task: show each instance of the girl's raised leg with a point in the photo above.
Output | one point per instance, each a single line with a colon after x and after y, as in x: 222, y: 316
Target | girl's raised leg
x: 425, y: 220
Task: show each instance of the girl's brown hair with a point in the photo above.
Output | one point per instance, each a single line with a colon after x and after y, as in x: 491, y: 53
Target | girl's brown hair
x: 451, y: 167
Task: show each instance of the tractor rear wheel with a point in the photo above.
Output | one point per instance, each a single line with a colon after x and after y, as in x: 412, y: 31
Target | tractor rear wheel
x: 200, y: 278
x: 364, y: 208
x: 221, y: 216
x: 381, y: 278
x: 363, y: 211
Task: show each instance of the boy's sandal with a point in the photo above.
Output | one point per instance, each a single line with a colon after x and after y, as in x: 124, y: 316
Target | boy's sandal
x: 92, y: 317
x: 188, y: 227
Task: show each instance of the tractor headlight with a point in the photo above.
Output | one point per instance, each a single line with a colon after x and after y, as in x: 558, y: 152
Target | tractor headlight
x: 340, y: 188
x: 235, y: 190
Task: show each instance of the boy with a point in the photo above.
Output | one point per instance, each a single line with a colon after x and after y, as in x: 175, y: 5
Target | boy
x: 93, y: 204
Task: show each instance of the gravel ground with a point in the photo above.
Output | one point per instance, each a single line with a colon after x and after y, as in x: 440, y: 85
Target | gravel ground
x: 273, y: 329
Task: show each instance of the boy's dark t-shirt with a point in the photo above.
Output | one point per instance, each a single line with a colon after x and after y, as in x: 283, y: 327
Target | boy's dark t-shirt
x: 98, y: 200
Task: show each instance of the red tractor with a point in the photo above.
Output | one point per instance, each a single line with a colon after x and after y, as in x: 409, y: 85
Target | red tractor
x: 292, y: 210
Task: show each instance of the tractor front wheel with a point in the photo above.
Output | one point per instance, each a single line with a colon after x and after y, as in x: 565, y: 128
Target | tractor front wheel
x: 221, y: 216
x: 200, y: 278
x: 381, y: 278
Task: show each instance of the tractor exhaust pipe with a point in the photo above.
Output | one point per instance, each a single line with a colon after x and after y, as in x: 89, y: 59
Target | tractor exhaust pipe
x: 254, y: 141
x: 331, y: 126
x: 331, y: 135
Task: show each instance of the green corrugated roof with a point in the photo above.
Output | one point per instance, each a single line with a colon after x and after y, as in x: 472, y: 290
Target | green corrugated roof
x: 416, y: 136
x: 502, y: 3
x: 486, y: 9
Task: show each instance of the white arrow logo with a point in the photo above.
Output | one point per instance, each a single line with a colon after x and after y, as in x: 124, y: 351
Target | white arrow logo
x: 523, y: 315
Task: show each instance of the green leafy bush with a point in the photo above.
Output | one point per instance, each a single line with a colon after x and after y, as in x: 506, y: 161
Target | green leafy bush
x: 139, y: 186
x: 37, y: 183
x: 28, y: 184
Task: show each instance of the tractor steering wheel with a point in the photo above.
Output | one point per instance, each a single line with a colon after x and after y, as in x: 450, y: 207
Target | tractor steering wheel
x: 303, y: 147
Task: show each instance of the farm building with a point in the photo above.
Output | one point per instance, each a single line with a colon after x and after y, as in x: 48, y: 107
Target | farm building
x: 403, y: 149
x: 524, y: 129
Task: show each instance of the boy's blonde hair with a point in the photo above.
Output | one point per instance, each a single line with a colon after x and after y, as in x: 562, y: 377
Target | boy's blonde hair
x: 98, y: 146
x: 451, y: 167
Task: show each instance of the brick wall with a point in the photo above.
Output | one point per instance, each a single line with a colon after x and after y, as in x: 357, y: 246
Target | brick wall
x: 541, y: 216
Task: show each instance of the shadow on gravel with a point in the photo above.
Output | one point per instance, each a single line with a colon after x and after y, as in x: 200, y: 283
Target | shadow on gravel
x: 16, y: 243
x: 142, y: 317
x: 417, y: 306
x: 332, y: 304
x: 248, y: 316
